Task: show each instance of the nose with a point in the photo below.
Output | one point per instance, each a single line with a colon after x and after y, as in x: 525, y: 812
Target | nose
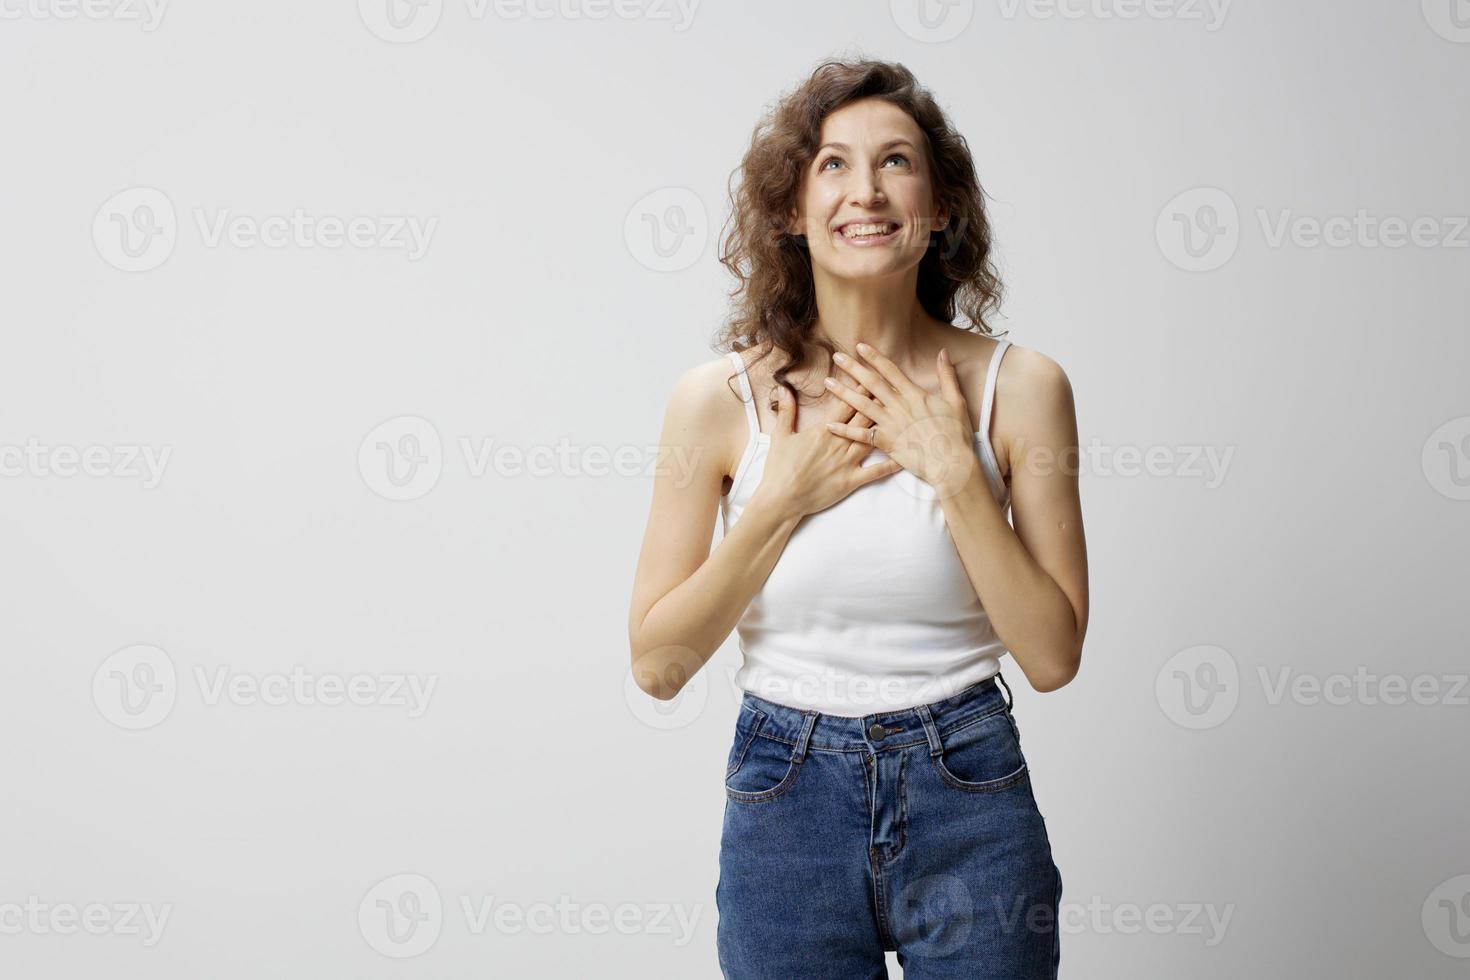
x: 866, y: 190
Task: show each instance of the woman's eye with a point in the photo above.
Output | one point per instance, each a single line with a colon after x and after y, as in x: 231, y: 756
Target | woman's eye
x: 891, y: 156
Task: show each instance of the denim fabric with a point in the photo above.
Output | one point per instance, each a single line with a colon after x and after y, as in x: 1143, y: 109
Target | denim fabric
x: 842, y: 840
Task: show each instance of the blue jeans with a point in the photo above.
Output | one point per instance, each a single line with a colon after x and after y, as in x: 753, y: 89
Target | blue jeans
x: 914, y: 831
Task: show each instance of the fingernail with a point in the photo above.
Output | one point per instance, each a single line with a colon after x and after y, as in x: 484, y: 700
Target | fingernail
x: 829, y: 382
x: 863, y: 347
x: 839, y: 357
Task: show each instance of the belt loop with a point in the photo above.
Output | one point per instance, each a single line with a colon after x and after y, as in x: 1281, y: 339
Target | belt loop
x: 1009, y: 698
x: 930, y: 732
x: 805, y: 736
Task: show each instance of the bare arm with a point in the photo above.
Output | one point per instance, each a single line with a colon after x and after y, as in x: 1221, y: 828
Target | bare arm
x: 1033, y: 579
x: 687, y: 599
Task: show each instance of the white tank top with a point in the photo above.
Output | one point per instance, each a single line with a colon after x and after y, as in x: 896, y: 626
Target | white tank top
x: 868, y: 608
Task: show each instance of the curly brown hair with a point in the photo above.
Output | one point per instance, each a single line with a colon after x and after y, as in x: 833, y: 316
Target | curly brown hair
x: 774, y: 303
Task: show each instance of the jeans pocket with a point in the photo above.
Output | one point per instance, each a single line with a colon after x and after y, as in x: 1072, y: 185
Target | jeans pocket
x: 982, y: 756
x: 746, y: 723
x: 761, y: 766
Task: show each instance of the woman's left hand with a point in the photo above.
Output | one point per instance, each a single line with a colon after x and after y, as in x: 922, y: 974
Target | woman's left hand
x: 927, y: 434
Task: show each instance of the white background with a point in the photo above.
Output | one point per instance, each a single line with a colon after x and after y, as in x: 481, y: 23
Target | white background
x: 544, y: 313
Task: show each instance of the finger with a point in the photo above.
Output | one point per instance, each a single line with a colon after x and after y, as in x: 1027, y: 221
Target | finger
x: 860, y: 403
x: 840, y: 411
x: 864, y: 434
x: 888, y: 370
x: 844, y: 413
x: 869, y: 377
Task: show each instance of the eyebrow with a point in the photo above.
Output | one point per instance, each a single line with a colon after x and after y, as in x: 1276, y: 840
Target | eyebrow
x: 845, y: 147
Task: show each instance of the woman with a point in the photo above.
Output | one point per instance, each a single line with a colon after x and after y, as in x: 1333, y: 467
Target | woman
x: 876, y: 794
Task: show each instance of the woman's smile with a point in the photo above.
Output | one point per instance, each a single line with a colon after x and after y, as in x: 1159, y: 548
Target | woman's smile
x: 864, y: 234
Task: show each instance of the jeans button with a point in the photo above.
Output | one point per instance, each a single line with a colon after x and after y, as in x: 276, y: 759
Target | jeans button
x: 876, y: 732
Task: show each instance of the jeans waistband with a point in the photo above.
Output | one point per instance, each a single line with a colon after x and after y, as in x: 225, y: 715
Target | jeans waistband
x: 808, y: 729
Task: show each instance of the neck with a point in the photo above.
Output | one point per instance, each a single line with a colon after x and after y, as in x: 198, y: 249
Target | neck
x: 883, y: 313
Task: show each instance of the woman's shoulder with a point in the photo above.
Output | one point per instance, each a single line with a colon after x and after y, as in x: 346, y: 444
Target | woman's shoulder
x: 705, y: 408
x: 1024, y: 373
x: 1032, y: 393
x: 699, y: 383
x: 711, y: 388
x: 1032, y: 381
x: 1033, y: 403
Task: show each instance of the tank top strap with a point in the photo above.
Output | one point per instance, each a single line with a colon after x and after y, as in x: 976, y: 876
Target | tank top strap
x: 747, y: 396
x: 987, y: 400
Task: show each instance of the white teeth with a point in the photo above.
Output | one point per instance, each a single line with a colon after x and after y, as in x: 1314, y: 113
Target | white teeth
x: 858, y: 231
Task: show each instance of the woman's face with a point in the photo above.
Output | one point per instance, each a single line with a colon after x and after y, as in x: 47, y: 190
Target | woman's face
x: 870, y: 168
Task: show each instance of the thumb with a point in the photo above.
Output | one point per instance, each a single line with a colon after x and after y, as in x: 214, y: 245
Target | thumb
x: 785, y: 412
x: 949, y: 379
x: 887, y: 467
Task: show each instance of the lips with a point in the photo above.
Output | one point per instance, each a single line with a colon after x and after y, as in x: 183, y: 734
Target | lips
x: 868, y: 226
x: 867, y: 233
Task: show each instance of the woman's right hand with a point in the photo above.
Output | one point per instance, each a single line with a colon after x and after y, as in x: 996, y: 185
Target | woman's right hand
x: 811, y: 470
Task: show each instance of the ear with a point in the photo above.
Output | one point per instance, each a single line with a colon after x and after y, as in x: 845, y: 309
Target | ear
x: 793, y: 223
x: 941, y: 214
